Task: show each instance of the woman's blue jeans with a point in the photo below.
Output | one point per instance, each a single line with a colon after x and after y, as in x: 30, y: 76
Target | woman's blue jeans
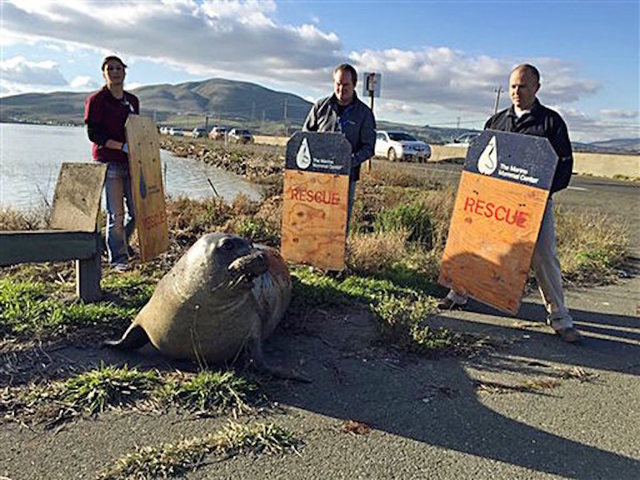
x: 117, y: 189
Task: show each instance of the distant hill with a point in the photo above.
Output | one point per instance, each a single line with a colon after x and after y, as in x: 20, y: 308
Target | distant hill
x: 216, y: 97
x: 619, y: 144
x: 231, y: 103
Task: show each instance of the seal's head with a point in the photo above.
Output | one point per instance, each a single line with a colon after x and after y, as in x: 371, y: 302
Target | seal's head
x: 226, y: 260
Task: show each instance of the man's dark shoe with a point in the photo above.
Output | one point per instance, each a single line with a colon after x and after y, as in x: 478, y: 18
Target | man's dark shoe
x: 570, y: 335
x: 447, y: 304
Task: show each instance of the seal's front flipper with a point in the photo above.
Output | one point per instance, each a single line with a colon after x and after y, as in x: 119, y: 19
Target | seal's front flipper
x: 258, y: 362
x: 134, y: 338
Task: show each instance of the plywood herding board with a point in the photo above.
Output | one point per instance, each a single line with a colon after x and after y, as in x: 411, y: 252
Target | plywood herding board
x: 146, y: 183
x: 493, y: 232
x: 314, y: 218
x: 76, y: 201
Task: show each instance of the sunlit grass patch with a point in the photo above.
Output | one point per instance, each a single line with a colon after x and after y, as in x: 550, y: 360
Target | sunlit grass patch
x: 107, y: 387
x: 172, y: 460
x: 32, y: 219
x: 402, y: 312
x: 28, y: 308
x: 133, y: 290
x: 591, y: 245
x: 373, y: 252
x: 94, y: 391
x: 411, y: 219
x: 212, y: 391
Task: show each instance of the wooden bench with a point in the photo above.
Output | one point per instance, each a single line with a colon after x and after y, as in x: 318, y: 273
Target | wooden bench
x: 73, y: 235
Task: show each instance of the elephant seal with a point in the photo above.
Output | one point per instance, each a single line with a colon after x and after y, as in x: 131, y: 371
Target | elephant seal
x: 222, y: 298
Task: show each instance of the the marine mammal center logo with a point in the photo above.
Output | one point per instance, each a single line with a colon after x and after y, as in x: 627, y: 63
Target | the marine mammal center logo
x: 488, y: 161
x: 303, y: 157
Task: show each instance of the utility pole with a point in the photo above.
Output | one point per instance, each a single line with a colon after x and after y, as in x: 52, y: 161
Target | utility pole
x: 498, y: 91
x: 286, y: 129
x: 262, y: 123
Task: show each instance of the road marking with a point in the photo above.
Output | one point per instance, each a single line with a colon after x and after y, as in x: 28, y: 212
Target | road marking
x: 577, y: 188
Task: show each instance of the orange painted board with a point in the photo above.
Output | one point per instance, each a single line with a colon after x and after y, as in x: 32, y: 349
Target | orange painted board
x: 493, y: 232
x: 314, y: 219
x: 145, y: 170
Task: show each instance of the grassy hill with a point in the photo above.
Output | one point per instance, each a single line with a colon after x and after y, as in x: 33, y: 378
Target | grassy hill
x: 217, y: 98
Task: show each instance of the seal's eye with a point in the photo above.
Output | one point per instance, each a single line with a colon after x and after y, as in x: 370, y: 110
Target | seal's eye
x: 227, y: 245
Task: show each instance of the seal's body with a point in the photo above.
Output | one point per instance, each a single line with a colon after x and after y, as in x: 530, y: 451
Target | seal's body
x: 222, y: 296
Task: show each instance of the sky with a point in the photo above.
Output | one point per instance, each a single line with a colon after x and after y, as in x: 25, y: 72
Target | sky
x: 441, y: 62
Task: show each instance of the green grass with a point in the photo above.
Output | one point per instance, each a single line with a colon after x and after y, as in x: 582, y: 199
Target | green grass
x: 257, y: 230
x: 172, y: 460
x: 31, y: 308
x: 213, y: 392
x: 402, y: 312
x: 413, y: 218
x: 97, y: 390
x: 106, y: 387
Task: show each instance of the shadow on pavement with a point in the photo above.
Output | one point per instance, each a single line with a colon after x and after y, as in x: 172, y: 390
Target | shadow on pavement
x: 435, y: 401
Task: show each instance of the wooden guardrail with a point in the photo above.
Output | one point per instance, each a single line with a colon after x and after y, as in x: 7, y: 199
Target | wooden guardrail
x: 74, y: 234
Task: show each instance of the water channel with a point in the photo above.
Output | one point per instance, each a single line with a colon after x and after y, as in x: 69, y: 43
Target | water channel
x: 31, y: 155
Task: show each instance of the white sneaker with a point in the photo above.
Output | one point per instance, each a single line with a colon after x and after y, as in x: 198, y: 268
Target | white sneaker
x: 120, y: 267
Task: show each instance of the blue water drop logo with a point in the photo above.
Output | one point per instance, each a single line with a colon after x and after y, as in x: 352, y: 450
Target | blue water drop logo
x: 143, y: 186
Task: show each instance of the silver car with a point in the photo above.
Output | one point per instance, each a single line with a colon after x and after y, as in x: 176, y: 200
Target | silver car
x: 398, y: 146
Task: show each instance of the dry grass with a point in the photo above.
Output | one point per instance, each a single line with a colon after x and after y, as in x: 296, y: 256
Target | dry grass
x: 591, y: 245
x: 372, y: 252
x: 174, y: 460
x: 32, y: 219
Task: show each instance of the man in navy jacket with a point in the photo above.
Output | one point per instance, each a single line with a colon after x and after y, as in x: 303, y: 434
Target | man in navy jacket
x: 527, y: 116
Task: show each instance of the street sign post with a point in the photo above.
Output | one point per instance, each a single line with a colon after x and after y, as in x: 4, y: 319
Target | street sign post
x: 498, y: 211
x: 316, y: 194
x: 371, y: 88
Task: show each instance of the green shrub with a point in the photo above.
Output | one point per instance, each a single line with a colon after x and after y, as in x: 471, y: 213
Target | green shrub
x: 413, y: 218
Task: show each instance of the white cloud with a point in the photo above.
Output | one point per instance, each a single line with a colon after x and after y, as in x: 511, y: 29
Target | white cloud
x: 83, y: 82
x: 243, y: 40
x: 446, y: 77
x: 615, y: 114
x: 392, y: 108
x: 20, y: 70
x: 587, y: 128
x: 235, y: 38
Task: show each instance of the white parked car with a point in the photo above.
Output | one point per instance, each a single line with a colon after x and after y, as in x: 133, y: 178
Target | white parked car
x: 397, y: 146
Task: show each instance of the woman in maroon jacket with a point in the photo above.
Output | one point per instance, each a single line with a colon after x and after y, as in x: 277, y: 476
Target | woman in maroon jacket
x: 105, y: 114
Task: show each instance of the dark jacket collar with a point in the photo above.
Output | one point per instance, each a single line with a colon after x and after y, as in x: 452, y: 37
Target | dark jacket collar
x: 534, y: 110
x: 334, y: 101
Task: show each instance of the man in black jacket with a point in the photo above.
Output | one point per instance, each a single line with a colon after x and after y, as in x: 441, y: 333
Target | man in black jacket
x: 527, y: 116
x: 344, y: 112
